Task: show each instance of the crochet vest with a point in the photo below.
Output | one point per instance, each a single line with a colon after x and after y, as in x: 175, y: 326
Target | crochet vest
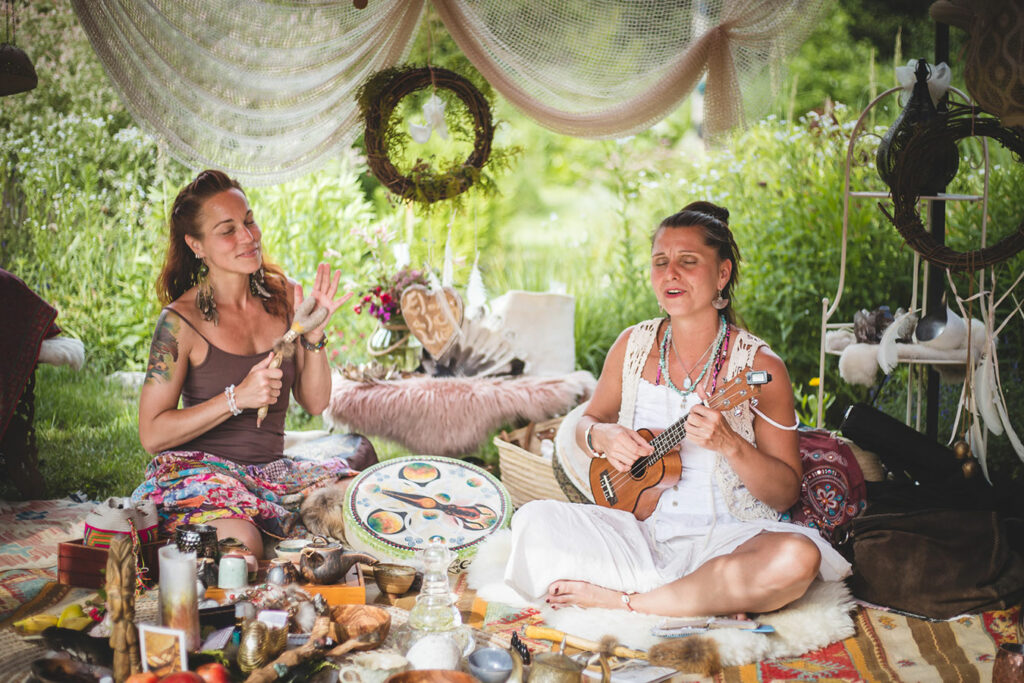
x: 740, y: 501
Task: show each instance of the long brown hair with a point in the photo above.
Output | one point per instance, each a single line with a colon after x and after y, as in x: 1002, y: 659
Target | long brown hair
x: 714, y: 219
x: 181, y: 267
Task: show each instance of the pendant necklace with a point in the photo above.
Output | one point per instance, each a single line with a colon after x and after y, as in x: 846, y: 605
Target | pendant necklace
x: 689, y: 386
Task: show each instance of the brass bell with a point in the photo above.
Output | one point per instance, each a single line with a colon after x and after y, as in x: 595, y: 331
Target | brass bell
x: 961, y: 449
x: 970, y: 468
x: 259, y: 645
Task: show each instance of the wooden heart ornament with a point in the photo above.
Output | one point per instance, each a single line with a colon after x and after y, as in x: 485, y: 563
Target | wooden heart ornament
x: 433, y: 317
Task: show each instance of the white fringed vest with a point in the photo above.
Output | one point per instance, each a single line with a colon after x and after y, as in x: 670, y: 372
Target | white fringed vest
x: 741, y: 503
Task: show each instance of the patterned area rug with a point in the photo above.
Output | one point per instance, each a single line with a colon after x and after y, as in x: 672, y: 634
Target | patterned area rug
x: 887, y: 647
x: 30, y: 531
x: 20, y: 587
x: 890, y: 648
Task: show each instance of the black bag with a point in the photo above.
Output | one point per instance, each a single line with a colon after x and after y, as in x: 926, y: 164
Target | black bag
x: 905, y: 452
x: 937, y: 563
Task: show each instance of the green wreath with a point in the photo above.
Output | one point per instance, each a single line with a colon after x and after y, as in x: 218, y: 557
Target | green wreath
x: 378, y: 98
x: 961, y: 122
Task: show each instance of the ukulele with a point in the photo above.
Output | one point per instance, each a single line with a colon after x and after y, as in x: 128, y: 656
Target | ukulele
x: 639, y: 489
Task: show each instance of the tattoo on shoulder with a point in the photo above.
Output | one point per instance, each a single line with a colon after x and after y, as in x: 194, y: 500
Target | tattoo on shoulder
x: 163, y: 352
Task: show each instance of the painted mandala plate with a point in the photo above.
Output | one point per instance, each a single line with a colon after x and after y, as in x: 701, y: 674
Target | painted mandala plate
x: 394, y: 508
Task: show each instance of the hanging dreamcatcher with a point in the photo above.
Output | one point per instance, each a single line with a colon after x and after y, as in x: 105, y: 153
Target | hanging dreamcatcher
x: 919, y: 151
x: 385, y: 137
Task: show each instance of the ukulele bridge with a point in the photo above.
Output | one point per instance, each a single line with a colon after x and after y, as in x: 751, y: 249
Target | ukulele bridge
x: 607, y: 489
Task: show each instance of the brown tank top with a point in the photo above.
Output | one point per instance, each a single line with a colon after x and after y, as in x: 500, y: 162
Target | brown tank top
x: 236, y: 439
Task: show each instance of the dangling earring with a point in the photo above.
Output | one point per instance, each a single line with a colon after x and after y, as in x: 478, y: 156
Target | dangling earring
x: 718, y: 302
x: 258, y: 285
x: 204, y: 296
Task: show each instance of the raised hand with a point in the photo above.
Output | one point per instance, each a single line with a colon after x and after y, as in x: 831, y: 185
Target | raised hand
x: 325, y: 291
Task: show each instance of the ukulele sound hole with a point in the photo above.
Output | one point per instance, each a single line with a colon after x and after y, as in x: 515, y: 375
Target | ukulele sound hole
x: 638, y: 469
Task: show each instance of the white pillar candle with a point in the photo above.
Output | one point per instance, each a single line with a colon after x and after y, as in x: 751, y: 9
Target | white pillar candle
x: 179, y: 603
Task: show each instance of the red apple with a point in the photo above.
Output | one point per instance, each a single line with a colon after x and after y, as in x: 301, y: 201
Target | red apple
x: 214, y: 672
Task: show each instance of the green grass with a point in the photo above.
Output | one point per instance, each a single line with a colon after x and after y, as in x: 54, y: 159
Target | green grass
x: 88, y: 437
x: 87, y: 433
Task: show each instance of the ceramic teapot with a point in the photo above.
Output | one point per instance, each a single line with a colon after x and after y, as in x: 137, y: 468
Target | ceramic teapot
x: 322, y: 562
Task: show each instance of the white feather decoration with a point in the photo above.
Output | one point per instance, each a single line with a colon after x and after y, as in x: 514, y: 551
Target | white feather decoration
x: 476, y: 293
x: 985, y: 395
x: 900, y: 328
x: 1010, y: 433
x: 977, y: 443
x: 435, y: 284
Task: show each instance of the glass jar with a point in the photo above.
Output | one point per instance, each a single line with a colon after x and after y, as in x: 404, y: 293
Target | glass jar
x: 393, y: 345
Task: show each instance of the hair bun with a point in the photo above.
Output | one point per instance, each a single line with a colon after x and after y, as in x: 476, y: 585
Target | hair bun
x: 714, y: 210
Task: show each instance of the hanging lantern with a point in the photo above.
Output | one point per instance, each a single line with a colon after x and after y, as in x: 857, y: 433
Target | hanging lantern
x: 16, y: 71
x: 943, y: 160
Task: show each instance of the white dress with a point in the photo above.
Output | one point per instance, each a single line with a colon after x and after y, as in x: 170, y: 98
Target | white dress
x: 692, y: 524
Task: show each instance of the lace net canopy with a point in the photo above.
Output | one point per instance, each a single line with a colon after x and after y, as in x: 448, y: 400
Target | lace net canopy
x: 265, y: 88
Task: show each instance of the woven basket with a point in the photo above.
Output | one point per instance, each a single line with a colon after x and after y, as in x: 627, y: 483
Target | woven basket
x: 526, y: 474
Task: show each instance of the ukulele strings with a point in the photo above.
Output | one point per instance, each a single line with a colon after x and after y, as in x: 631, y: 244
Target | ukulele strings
x: 677, y: 431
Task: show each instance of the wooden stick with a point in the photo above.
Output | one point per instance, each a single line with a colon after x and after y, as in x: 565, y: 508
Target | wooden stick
x: 556, y: 636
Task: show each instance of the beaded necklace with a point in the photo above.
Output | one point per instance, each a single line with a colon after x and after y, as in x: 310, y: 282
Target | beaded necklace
x: 724, y: 351
x: 689, y: 386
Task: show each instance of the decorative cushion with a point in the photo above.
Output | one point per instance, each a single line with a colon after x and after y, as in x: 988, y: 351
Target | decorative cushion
x: 832, y: 491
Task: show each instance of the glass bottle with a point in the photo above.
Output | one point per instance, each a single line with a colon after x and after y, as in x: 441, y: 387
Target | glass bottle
x: 435, y: 610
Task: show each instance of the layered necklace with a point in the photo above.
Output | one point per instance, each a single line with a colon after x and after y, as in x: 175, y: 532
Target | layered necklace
x: 714, y: 349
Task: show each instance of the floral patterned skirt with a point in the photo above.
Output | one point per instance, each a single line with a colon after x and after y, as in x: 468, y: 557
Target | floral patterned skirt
x: 193, y: 487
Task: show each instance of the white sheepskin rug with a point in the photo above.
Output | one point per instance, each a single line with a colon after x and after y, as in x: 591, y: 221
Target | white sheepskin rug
x: 450, y: 415
x: 822, y: 616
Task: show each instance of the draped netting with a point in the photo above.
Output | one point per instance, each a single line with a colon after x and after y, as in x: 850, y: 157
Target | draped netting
x: 265, y: 89
x: 607, y: 68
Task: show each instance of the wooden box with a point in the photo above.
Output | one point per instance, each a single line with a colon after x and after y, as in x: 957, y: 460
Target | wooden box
x: 85, y: 567
x: 352, y: 591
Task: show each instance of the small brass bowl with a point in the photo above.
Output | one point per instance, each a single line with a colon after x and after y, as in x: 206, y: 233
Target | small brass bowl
x: 394, y: 579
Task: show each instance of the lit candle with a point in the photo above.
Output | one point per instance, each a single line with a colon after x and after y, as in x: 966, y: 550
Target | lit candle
x: 179, y: 603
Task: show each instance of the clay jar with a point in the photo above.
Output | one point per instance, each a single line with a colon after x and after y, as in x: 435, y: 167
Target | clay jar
x: 321, y: 562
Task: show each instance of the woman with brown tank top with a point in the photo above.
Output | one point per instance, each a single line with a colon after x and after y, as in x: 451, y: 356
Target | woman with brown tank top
x: 225, y: 307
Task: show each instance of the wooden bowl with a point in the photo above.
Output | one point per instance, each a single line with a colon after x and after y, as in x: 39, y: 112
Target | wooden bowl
x: 358, y: 620
x: 394, y: 579
x: 431, y: 676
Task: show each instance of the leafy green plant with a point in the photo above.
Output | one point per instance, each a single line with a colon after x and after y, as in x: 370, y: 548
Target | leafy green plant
x: 807, y: 403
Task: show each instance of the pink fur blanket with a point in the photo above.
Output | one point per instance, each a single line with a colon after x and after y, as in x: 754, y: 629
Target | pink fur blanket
x: 450, y: 415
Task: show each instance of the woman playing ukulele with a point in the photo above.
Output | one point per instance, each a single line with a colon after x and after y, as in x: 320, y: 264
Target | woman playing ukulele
x: 714, y: 543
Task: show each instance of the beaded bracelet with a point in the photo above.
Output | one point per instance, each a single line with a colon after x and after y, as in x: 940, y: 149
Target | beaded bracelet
x: 314, y: 347
x: 229, y: 391
x: 590, y: 444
